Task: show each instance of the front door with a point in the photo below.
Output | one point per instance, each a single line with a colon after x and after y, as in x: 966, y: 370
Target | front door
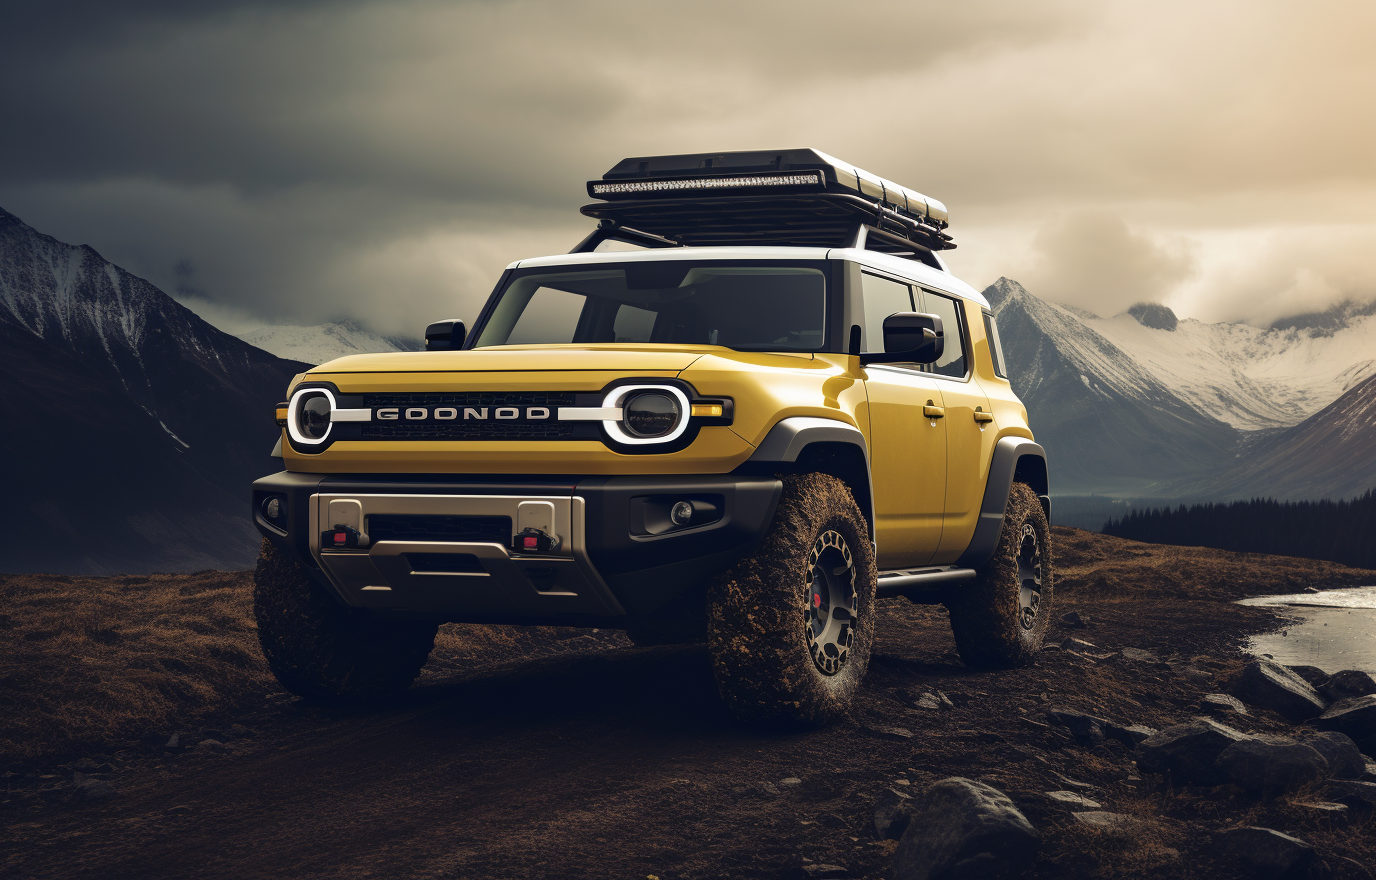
x: 970, y: 430
x: 907, y: 438
x: 907, y: 463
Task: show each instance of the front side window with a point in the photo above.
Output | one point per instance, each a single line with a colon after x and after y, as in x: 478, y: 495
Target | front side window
x: 883, y: 297
x: 752, y: 307
x: 952, y: 361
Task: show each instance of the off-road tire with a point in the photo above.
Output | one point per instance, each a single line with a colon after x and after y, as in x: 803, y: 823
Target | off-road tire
x: 758, y: 611
x: 323, y: 651
x: 988, y: 616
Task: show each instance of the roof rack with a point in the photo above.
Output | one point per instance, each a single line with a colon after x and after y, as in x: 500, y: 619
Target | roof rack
x: 783, y: 197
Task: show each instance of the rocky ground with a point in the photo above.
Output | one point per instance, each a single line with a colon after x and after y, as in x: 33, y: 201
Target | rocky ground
x: 563, y: 753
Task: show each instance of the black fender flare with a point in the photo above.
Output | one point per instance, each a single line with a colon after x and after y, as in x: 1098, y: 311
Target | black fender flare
x: 1015, y: 459
x: 788, y: 439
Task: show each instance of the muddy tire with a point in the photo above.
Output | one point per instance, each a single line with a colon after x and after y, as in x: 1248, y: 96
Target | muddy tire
x: 790, y: 628
x: 999, y: 621
x: 321, y: 650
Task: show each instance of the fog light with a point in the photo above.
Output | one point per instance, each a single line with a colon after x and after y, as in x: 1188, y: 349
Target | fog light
x: 681, y: 513
x: 272, y: 508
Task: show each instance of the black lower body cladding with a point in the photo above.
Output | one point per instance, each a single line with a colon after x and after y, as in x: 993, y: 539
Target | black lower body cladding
x: 644, y: 555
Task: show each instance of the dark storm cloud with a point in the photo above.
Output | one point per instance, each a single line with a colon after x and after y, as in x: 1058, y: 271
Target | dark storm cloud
x: 384, y: 160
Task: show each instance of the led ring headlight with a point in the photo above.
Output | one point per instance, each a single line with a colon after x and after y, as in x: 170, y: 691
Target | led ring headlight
x: 649, y: 414
x: 309, y: 423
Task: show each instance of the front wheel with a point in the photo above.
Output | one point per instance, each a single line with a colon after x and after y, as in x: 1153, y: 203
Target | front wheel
x: 320, y: 650
x: 790, y: 628
x: 999, y: 621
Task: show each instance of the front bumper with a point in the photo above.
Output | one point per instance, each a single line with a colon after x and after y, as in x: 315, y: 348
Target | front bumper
x: 618, y: 558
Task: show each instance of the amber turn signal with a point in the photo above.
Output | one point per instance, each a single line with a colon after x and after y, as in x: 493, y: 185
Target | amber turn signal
x: 707, y: 410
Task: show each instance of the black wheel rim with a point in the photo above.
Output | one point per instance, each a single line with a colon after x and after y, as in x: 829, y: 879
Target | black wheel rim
x: 1029, y: 577
x: 830, y: 618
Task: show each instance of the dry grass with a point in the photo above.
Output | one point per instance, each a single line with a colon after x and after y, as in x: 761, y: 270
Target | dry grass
x: 89, y: 662
x: 85, y: 661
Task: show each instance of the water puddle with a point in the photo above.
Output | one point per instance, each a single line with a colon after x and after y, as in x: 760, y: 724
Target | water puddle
x: 1333, y: 629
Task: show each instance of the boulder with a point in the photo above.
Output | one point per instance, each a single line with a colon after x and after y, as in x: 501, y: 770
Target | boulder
x: 1189, y: 752
x: 1085, y: 728
x: 1345, y: 760
x: 1267, y: 685
x: 892, y: 812
x: 1347, y: 684
x: 1271, y: 766
x: 1263, y: 853
x: 1361, y: 795
x: 1312, y: 674
x: 90, y: 791
x: 962, y: 828
x: 1356, y: 717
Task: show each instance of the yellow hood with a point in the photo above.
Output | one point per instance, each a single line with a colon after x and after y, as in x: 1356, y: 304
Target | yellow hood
x: 525, y: 358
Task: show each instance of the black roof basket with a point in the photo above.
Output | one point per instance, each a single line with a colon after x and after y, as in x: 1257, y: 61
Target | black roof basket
x: 801, y: 198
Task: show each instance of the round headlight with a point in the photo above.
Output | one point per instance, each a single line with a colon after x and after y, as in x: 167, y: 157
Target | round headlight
x: 653, y: 414
x: 313, y: 417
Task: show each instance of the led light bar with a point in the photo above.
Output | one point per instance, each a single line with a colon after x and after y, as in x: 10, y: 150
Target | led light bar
x: 811, y: 178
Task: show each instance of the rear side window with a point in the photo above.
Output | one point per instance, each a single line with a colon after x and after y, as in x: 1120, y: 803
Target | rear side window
x: 991, y: 329
x: 952, y: 361
x: 883, y: 297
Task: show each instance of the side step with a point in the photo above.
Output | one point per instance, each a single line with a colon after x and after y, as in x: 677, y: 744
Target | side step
x: 922, y: 586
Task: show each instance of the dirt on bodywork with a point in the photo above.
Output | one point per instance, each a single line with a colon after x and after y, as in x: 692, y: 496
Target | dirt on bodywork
x: 569, y: 753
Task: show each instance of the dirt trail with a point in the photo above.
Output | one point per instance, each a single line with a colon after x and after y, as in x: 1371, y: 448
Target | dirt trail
x: 615, y: 762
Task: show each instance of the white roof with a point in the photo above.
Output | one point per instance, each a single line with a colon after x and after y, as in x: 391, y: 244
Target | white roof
x: 905, y: 268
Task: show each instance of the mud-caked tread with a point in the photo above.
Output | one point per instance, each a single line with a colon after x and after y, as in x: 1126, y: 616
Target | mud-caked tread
x: 756, y: 612
x: 985, y: 613
x: 321, y: 650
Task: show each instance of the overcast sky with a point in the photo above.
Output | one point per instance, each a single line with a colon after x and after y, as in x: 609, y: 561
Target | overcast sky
x: 296, y: 163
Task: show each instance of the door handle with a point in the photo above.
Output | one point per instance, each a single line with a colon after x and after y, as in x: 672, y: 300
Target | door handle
x: 981, y: 416
x: 931, y: 411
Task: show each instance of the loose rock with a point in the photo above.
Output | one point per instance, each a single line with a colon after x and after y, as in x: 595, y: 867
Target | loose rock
x: 1271, y: 766
x: 1071, y: 799
x: 964, y: 828
x: 1347, y: 684
x: 824, y: 872
x: 898, y: 733
x: 1074, y: 619
x: 1139, y: 655
x: 1267, y: 854
x: 1345, y: 760
x: 210, y: 746
x: 892, y: 813
x: 1085, y: 728
x: 90, y: 791
x: 1129, y: 736
x: 1188, y: 752
x: 1268, y: 685
x: 1222, y: 705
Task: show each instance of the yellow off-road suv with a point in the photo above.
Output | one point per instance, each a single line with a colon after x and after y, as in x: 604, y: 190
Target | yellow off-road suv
x: 775, y: 410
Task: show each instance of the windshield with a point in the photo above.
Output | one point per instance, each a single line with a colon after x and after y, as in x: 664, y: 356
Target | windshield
x: 754, y: 307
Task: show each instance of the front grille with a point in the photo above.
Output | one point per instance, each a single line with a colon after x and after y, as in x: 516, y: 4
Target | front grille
x: 417, y: 527
x: 464, y: 428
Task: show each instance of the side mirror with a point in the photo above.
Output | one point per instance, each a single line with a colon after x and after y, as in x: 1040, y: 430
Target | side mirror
x: 909, y: 338
x: 445, y: 335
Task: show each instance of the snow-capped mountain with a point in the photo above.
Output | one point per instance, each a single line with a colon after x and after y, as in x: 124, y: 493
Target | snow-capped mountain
x: 1108, y: 424
x: 1331, y: 454
x: 1249, y: 377
x: 1145, y: 403
x: 132, y: 427
x: 324, y: 342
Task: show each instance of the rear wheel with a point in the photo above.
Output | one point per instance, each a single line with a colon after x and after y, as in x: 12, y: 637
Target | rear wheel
x: 790, y: 628
x: 321, y: 650
x: 1001, y: 619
